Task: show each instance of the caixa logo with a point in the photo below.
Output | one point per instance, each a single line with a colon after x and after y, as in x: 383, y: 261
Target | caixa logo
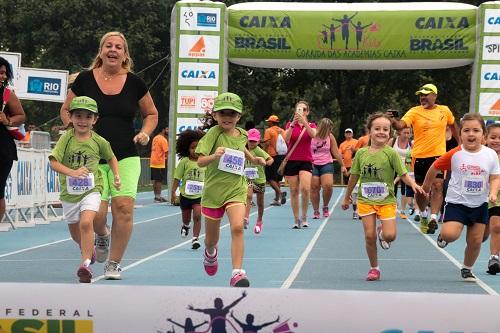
x: 198, y: 74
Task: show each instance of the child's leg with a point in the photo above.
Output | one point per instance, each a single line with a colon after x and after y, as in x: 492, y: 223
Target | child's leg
x: 196, y: 220
x: 494, y: 228
x: 451, y: 231
x: 369, y: 226
x: 315, y: 187
x: 212, y: 234
x: 260, y: 206
x: 474, y: 240
x: 327, y: 187
x: 389, y: 230
x: 305, y: 191
x: 186, y: 217
x: 74, y: 231
x: 293, y: 182
x: 87, y: 234
x: 249, y: 201
x: 235, y: 214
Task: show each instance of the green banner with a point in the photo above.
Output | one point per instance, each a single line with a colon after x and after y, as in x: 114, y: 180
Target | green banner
x: 355, y: 35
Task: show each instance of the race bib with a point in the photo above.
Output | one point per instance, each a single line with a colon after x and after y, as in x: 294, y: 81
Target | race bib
x: 473, y: 186
x: 193, y: 187
x: 80, y: 185
x: 251, y: 173
x: 232, y: 161
x: 375, y: 191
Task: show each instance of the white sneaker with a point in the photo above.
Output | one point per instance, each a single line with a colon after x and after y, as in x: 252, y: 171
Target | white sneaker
x: 101, y: 247
x: 383, y: 243
x: 112, y: 271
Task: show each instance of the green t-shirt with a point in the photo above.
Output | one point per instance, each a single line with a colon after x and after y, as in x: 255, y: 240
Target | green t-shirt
x: 376, y: 175
x: 188, y: 171
x: 258, y: 152
x: 75, y: 154
x: 222, y: 187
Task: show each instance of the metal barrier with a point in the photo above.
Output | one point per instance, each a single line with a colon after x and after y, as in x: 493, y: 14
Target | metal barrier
x: 145, y: 178
x: 40, y: 140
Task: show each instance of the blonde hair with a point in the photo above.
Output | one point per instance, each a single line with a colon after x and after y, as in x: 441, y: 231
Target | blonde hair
x: 127, y: 65
x: 324, y: 129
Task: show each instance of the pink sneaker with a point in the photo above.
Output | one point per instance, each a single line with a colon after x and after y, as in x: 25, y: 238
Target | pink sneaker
x: 316, y: 214
x: 239, y: 280
x: 258, y: 227
x: 373, y: 275
x: 326, y: 213
x: 85, y: 274
x: 210, y: 263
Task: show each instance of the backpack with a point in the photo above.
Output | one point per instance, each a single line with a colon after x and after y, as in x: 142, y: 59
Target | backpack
x: 281, y: 147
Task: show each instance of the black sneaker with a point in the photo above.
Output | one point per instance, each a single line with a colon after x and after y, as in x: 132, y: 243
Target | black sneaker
x: 467, y: 275
x: 283, y: 198
x: 493, y: 266
x: 411, y: 211
x: 441, y: 242
x: 416, y: 218
x: 184, y: 231
x: 195, y: 243
x: 432, y: 227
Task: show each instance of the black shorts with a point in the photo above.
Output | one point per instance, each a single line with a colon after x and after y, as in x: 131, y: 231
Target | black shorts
x: 421, y: 166
x: 5, y: 167
x: 272, y: 170
x: 187, y: 203
x: 293, y: 168
x: 158, y: 174
x: 466, y: 215
x: 494, y: 211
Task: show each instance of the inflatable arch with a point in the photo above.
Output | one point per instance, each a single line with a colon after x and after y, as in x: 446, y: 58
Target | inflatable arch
x: 359, y: 36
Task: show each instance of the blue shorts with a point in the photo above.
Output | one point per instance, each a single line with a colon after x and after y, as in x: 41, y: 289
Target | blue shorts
x: 466, y: 215
x: 320, y: 170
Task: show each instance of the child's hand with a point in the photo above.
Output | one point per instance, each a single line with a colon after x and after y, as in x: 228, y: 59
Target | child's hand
x: 260, y: 161
x: 344, y: 171
x: 419, y: 189
x: 219, y: 152
x: 118, y: 182
x: 396, y: 180
x: 81, y: 172
x: 493, y: 198
x: 172, y: 198
x: 346, y: 202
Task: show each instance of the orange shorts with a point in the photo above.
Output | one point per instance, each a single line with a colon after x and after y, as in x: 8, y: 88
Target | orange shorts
x: 383, y: 212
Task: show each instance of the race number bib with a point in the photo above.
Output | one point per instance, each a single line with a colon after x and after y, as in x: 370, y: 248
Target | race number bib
x: 375, y: 191
x: 473, y: 186
x: 251, y: 173
x: 193, y: 187
x: 80, y: 185
x: 232, y: 161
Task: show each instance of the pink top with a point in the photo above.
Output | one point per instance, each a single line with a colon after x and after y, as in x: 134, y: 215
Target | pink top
x: 321, y: 151
x: 303, y: 150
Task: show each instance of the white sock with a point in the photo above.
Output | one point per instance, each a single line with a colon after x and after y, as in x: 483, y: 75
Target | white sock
x: 495, y: 256
x: 376, y: 268
x: 434, y: 217
x: 211, y: 253
x: 236, y: 271
x: 424, y: 213
x: 86, y: 262
x: 467, y: 267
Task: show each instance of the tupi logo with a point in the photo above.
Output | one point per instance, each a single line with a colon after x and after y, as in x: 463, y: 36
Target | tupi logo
x: 197, y: 74
x: 265, y: 22
x: 198, y: 49
x: 442, y: 22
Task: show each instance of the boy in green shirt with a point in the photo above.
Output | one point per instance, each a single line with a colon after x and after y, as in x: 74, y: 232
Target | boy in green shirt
x: 76, y: 157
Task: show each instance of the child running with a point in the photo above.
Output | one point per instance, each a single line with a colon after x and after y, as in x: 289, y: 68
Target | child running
x: 493, y: 142
x: 222, y: 150
x: 191, y: 176
x: 375, y: 167
x: 256, y: 179
x: 475, y: 177
x: 76, y: 157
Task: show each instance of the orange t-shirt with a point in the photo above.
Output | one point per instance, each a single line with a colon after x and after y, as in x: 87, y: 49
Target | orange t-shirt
x: 345, y: 150
x: 362, y: 142
x: 429, y: 129
x: 271, y: 137
x: 159, y: 150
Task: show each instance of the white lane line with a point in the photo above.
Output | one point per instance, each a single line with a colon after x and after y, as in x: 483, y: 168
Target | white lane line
x: 296, y: 270
x: 480, y: 282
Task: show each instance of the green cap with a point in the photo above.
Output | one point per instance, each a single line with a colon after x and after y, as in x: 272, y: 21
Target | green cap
x: 228, y: 101
x: 427, y: 89
x: 83, y: 103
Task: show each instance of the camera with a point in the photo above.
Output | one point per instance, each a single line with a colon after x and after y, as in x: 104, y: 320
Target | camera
x: 300, y: 110
x: 394, y: 113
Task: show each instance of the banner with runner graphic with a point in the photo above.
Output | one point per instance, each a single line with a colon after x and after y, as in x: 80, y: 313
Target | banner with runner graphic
x: 323, y: 35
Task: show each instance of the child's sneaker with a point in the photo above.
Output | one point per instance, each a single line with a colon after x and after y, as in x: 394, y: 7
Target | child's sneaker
x: 416, y: 218
x: 424, y: 225
x: 441, y: 242
x: 245, y: 222
x: 326, y: 213
x: 184, y: 231
x: 283, y: 198
x: 195, y: 243
x: 112, y: 271
x: 84, y: 273
x: 296, y: 225
x: 355, y: 215
x: 493, y: 266
x: 432, y: 226
x: 304, y: 223
x: 383, y: 244
x: 258, y: 227
x: 102, y: 247
x: 316, y: 214
x: 403, y: 215
x: 467, y: 275
x: 210, y: 262
x: 239, y: 280
x: 373, y: 275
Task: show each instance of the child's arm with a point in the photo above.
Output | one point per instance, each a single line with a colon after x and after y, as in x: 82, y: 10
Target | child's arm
x: 494, y: 186
x: 175, y: 323
x: 113, y: 164
x: 81, y: 172
x: 353, y: 179
x: 236, y: 319
x: 410, y: 182
x: 334, y: 150
x: 429, y: 178
x: 175, y: 185
x: 269, y: 161
x: 254, y: 159
x: 204, y: 160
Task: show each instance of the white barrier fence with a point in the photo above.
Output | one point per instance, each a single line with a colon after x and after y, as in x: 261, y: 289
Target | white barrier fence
x: 32, y: 191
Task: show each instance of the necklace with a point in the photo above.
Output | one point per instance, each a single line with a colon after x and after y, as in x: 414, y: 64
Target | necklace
x: 108, y: 77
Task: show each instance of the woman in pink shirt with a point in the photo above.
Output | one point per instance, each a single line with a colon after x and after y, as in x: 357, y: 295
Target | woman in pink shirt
x: 298, y: 170
x: 324, y: 146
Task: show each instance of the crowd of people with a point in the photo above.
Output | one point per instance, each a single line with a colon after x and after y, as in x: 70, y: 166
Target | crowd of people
x: 445, y: 172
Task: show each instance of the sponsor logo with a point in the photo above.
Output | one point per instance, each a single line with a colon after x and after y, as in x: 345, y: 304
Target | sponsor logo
x: 195, y: 101
x: 491, y: 76
x: 442, y: 22
x: 198, y: 49
x: 271, y: 43
x: 494, y: 109
x: 188, y: 101
x: 207, y: 20
x: 265, y: 22
x: 198, y: 74
x: 44, y: 86
x: 199, y: 18
x: 22, y: 325
x: 492, y: 48
x: 492, y: 20
x: 437, y: 44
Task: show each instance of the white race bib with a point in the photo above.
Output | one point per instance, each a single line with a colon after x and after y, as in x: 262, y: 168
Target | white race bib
x: 193, y: 187
x: 232, y: 161
x: 473, y: 185
x: 375, y: 191
x: 251, y: 173
x: 80, y: 185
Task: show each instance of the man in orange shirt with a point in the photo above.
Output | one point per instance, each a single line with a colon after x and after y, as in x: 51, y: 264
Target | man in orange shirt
x: 269, y: 145
x: 346, y: 148
x: 429, y: 121
x: 159, y: 150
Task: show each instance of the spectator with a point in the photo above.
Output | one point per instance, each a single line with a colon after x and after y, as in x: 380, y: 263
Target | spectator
x: 346, y: 148
x: 269, y: 144
x: 157, y: 162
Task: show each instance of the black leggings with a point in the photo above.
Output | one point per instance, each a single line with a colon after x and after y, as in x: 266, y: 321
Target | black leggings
x: 5, y: 167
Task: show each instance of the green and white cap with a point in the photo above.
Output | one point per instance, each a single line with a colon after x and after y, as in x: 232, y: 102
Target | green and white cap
x: 228, y: 101
x: 83, y: 103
